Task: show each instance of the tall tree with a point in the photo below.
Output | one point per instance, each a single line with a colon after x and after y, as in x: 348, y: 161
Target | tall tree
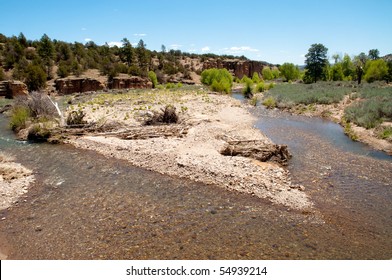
x: 46, y: 52
x: 316, y: 61
x: 374, y: 54
x: 127, y: 52
x: 143, y: 57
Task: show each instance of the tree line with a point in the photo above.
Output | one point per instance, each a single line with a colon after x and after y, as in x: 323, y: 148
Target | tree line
x: 33, y: 61
x: 370, y: 67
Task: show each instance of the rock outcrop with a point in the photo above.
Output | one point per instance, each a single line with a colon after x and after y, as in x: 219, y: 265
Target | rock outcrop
x: 129, y: 82
x: 11, y: 89
x: 237, y: 67
x: 73, y: 85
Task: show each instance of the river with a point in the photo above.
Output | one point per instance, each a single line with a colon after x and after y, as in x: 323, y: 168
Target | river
x: 86, y: 206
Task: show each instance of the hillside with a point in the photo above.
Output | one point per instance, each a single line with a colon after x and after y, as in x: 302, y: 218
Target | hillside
x: 54, y: 65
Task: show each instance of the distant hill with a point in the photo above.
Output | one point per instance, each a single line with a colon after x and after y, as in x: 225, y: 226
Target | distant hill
x: 39, y: 63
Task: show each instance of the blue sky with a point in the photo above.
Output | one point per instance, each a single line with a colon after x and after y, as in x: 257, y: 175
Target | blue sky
x: 273, y: 31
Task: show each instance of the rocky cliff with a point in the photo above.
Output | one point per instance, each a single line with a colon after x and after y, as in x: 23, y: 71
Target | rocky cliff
x: 11, y: 89
x: 129, y: 82
x: 72, y: 85
x: 237, y: 67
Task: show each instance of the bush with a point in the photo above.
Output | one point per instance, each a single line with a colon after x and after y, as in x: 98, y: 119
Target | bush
x: 219, y: 80
x: 247, y: 90
x: 267, y: 74
x: 256, y: 78
x: 19, y: 117
x: 153, y: 78
x: 76, y: 118
x: 269, y: 102
x: 374, y: 108
x: 260, y: 87
x: 321, y: 93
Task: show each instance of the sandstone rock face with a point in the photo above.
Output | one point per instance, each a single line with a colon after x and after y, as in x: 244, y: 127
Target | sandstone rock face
x: 72, y: 85
x: 11, y: 89
x: 129, y: 82
x: 237, y: 67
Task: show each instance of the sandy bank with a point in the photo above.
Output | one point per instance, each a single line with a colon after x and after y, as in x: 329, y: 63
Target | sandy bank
x: 14, y: 181
x: 210, y: 121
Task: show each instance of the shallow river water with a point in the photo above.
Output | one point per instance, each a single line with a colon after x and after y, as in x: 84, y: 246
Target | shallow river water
x: 85, y: 206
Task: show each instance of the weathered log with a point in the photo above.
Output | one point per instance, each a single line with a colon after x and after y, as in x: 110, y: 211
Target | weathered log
x: 258, y: 150
x: 156, y: 131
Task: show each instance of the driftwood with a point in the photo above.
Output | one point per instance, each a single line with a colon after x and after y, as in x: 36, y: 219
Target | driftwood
x: 146, y: 132
x: 258, y: 150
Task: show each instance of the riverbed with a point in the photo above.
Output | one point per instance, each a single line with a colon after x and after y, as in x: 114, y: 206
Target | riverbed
x: 86, y: 206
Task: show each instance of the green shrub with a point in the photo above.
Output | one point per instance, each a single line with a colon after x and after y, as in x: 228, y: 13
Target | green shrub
x: 267, y: 74
x: 219, y: 80
x: 153, y: 78
x: 321, y: 92
x: 247, y: 90
x: 253, y: 100
x: 269, y: 102
x: 256, y: 78
x: 260, y: 87
x: 374, y: 108
x: 19, y: 117
x: 385, y: 133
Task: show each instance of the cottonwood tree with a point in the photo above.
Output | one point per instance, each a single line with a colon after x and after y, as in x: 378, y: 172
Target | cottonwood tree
x: 289, y: 71
x: 316, y: 61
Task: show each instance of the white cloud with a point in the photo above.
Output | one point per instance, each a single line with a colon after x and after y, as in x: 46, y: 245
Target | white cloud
x: 237, y: 50
x: 140, y: 34
x: 175, y: 46
x: 87, y: 40
x: 84, y: 28
x: 205, y: 49
x: 112, y: 44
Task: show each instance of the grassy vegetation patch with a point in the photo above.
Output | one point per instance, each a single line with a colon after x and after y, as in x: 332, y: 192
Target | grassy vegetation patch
x: 289, y: 95
x: 374, y: 107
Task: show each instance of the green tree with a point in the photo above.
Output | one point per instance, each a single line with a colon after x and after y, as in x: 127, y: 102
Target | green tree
x: 127, y: 52
x: 267, y: 73
x: 143, y: 57
x: 375, y: 70
x: 289, y: 71
x: 35, y: 77
x: 374, y: 54
x: 348, y: 67
x: 336, y: 72
x: 316, y: 61
x: 46, y: 52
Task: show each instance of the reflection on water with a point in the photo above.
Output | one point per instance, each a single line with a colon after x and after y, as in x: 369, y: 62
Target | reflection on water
x: 85, y: 206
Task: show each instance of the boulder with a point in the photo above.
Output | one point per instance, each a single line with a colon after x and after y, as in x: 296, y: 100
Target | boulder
x: 73, y: 85
x: 11, y: 89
